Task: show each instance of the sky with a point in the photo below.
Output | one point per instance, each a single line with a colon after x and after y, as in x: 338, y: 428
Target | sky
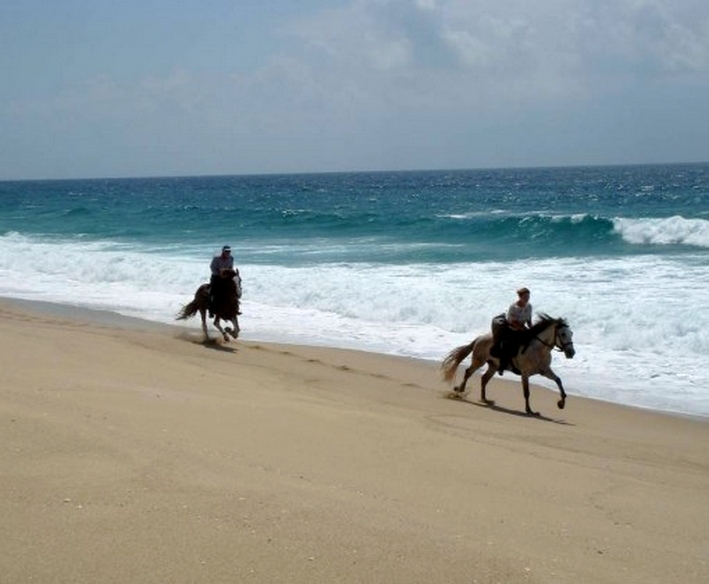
x: 106, y: 88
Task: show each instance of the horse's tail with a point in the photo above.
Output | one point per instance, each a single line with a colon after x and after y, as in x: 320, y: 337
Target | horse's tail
x: 454, y: 358
x: 188, y: 311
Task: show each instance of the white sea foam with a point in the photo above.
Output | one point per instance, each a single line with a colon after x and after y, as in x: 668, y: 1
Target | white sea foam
x: 665, y: 231
x: 641, y: 334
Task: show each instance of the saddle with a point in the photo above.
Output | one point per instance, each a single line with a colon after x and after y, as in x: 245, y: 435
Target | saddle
x: 507, y: 343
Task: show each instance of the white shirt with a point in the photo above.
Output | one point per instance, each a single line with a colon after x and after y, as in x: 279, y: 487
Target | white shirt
x: 219, y: 263
x: 519, y: 316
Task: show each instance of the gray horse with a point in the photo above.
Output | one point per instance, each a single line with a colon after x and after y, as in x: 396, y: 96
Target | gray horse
x: 533, y: 357
x: 226, y: 306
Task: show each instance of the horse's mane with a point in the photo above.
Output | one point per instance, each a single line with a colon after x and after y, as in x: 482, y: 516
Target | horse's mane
x: 545, y: 321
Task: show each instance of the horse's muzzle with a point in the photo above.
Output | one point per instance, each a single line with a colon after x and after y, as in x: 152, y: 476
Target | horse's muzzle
x: 569, y: 352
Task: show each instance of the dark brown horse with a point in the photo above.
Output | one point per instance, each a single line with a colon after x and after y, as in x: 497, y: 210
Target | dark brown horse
x: 532, y: 358
x: 226, y: 305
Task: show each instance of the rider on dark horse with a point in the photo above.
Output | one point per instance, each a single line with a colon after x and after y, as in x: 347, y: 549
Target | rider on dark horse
x: 221, y: 264
x: 508, y: 329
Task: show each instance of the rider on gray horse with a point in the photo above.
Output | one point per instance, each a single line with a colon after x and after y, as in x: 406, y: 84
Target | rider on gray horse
x: 506, y: 329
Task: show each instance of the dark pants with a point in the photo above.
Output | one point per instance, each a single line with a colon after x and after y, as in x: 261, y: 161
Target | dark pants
x: 505, y: 342
x: 215, y: 283
x: 500, y: 332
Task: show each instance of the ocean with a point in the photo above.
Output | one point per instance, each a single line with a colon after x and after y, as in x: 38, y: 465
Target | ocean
x: 403, y: 263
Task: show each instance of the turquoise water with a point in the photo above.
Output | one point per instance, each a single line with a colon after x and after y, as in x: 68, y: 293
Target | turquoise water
x: 409, y: 263
x: 458, y: 215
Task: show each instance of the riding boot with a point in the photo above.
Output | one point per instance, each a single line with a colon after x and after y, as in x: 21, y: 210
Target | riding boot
x: 501, y: 353
x: 211, y: 306
x: 504, y: 358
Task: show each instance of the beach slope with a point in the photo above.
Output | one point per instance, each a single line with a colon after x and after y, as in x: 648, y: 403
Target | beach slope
x: 139, y: 454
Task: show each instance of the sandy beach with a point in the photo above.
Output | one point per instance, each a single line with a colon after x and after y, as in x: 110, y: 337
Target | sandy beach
x: 136, y: 453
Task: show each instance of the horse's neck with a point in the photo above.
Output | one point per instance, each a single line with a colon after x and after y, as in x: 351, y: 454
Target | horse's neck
x: 547, y: 336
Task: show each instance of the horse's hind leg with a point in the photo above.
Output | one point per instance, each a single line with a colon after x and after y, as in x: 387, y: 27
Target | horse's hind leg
x: 203, y: 314
x: 474, y: 366
x: 489, y: 373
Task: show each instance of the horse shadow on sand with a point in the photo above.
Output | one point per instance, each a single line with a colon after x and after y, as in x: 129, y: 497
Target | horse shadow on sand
x: 211, y: 343
x: 491, y: 405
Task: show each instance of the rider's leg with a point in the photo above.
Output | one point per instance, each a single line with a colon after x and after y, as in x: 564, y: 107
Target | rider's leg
x: 502, y: 348
x: 509, y: 349
x: 213, y: 283
x: 497, y: 339
x: 502, y: 351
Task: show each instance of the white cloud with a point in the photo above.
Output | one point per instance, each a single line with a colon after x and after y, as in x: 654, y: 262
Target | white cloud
x: 664, y: 35
x: 472, y: 50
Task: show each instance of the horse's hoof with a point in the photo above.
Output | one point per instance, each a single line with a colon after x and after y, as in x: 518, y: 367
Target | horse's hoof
x: 561, y: 403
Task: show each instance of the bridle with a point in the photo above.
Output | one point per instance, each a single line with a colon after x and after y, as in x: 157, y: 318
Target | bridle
x: 557, y: 344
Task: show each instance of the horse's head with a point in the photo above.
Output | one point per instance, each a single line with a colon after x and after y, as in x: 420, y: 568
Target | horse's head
x: 564, y: 338
x: 555, y: 332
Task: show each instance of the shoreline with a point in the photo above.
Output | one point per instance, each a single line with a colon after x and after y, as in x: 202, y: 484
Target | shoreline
x: 115, y: 319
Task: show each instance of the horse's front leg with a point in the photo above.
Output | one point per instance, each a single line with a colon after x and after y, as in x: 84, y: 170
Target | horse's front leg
x: 549, y: 374
x: 217, y: 324
x: 525, y: 391
x: 233, y: 330
x: 237, y: 328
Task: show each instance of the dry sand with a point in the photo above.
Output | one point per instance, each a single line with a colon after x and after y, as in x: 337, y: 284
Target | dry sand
x: 138, y: 454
